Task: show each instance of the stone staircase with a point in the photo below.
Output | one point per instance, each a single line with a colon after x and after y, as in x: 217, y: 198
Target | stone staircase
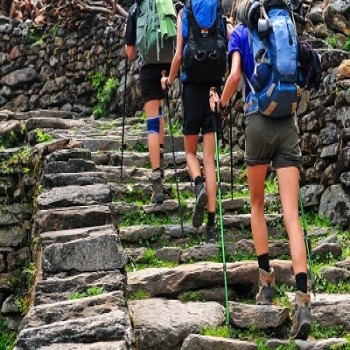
x: 119, y: 273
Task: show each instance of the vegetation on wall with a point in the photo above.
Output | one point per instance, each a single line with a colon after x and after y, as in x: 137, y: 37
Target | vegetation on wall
x: 105, y: 89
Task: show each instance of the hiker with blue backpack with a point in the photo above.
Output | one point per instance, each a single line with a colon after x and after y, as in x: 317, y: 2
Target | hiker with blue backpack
x: 201, y: 50
x: 150, y: 36
x: 263, y: 51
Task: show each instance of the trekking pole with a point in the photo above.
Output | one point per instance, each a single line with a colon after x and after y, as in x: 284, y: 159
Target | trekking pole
x: 231, y: 146
x: 174, y: 161
x: 306, y: 238
x: 218, y: 174
x: 124, y: 117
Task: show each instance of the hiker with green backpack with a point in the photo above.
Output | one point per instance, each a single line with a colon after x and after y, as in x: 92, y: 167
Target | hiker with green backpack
x: 150, y: 36
x: 201, y: 50
x: 263, y: 51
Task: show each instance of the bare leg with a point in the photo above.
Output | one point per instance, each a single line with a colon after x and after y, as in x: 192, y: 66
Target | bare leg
x: 256, y: 181
x: 288, y: 181
x: 191, y: 143
x: 209, y: 167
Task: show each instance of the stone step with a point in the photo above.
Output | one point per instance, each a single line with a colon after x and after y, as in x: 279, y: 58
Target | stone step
x: 164, y: 324
x: 261, y: 316
x: 142, y: 160
x: 207, y: 252
x: 96, y: 249
x: 149, y: 235
x: 171, y: 282
x: 68, y: 153
x: 53, y: 123
x: 72, y: 217
x: 200, y: 342
x: 95, y: 144
x: 112, y: 326
x: 114, y: 345
x: 124, y: 214
x: 60, y: 288
x: 142, y: 191
x: 70, y: 179
x: 46, y: 314
x: 70, y: 166
x: 64, y: 236
x: 73, y: 195
x: 137, y: 174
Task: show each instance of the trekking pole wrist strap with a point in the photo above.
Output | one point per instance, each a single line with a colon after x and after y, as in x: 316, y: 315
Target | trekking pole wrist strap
x: 219, y: 108
x: 167, y: 84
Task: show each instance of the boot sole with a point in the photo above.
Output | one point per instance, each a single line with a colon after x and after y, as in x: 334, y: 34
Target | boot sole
x: 198, y: 215
x: 159, y: 199
x: 303, y: 331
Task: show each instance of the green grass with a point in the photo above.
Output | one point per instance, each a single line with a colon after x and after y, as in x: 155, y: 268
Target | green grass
x: 261, y: 345
x: 92, y: 291
x: 138, y: 295
x: 191, y: 296
x: 7, y: 338
x: 319, y: 331
x: 149, y: 260
x: 222, y: 331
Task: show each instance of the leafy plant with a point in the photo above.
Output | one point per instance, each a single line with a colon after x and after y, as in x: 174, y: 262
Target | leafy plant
x: 42, y: 136
x: 35, y: 36
x: 105, y: 88
x: 347, y: 44
x: 333, y: 41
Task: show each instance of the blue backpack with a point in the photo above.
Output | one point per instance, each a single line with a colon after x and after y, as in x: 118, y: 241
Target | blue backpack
x: 274, y: 89
x: 205, y: 49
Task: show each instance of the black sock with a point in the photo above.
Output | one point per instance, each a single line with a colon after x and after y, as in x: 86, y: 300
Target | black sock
x: 198, y: 180
x: 264, y: 262
x: 301, y: 281
x: 157, y: 169
x: 211, y: 218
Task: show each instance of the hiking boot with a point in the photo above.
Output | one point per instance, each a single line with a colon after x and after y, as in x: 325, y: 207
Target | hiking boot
x: 301, y: 316
x: 157, y: 186
x: 266, y: 284
x: 211, y: 234
x: 201, y: 202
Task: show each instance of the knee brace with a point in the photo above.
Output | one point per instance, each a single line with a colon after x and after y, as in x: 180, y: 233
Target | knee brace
x: 153, y: 125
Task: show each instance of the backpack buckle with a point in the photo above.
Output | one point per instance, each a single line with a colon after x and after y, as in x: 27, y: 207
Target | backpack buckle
x: 200, y: 55
x: 213, y: 55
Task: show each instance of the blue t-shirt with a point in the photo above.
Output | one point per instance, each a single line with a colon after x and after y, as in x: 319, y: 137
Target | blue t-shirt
x: 239, y: 41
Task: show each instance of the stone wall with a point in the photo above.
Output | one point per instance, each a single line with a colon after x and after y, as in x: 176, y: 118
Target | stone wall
x: 52, y: 68
x: 17, y: 193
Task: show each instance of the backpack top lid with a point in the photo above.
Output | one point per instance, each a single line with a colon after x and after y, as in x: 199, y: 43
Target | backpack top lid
x: 204, y: 12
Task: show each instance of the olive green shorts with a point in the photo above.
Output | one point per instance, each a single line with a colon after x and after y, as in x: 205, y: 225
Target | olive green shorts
x: 271, y: 140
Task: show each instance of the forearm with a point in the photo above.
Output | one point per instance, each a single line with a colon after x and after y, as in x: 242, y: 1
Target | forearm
x: 175, y: 66
x: 229, y: 89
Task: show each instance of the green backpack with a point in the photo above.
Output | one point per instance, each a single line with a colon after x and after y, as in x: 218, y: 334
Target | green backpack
x: 156, y: 31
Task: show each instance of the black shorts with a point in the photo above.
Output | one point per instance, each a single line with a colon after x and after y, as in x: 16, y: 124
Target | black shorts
x: 197, y: 113
x: 271, y: 140
x: 150, y: 76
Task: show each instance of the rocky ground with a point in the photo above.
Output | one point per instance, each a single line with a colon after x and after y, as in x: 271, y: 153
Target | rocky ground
x: 117, y: 272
